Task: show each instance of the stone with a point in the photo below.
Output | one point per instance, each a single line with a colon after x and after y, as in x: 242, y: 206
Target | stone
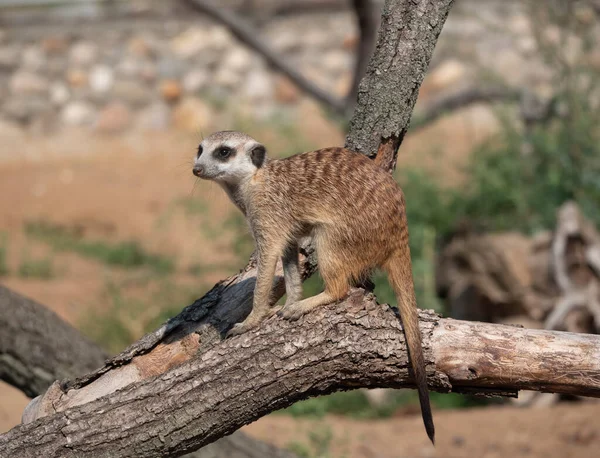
x: 258, y: 86
x: 101, y: 79
x: 285, y: 90
x: 343, y: 84
x: 170, y: 90
x: 9, y: 57
x: 225, y: 78
x: 54, y: 45
x: 78, y: 113
x: 24, y: 82
x: 192, y: 115
x: 350, y: 42
x: 141, y: 47
x: 33, y: 58
x: 168, y: 67
x: 113, y: 118
x: 195, y: 80
x: 131, y: 92
x: 59, y: 94
x: 156, y: 116
x: 83, y: 54
x: 77, y: 78
x: 337, y: 61
x: 449, y: 73
x: 24, y: 109
x: 148, y: 72
x: 189, y: 42
x: 238, y: 60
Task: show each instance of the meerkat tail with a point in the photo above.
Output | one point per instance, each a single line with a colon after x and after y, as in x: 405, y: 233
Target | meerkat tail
x: 399, y: 273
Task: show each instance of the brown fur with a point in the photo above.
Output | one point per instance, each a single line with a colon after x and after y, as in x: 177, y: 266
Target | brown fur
x: 356, y: 214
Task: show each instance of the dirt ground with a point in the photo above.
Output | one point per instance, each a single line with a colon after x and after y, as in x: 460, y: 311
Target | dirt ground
x: 138, y: 187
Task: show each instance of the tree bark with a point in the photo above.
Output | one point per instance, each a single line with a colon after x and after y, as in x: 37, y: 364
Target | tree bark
x: 356, y: 343
x: 37, y: 347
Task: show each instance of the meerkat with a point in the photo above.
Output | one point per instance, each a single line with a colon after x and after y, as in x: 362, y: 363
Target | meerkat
x: 353, y: 209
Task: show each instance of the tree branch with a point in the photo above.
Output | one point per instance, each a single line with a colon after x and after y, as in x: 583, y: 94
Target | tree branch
x: 357, y: 343
x: 250, y: 38
x: 37, y: 347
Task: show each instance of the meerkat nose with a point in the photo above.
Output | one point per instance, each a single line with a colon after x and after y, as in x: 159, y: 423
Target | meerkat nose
x: 197, y: 170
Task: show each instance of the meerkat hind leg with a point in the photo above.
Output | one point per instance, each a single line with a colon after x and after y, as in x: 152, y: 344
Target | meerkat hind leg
x: 291, y: 274
x: 337, y: 283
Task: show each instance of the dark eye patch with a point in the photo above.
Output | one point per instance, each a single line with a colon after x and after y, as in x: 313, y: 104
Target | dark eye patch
x: 222, y: 153
x: 199, y: 151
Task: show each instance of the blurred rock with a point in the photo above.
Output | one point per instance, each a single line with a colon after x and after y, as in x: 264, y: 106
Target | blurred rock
x: 9, y: 57
x: 77, y: 78
x: 83, y: 54
x: 24, y: 82
x: 170, y: 90
x: 54, y: 44
x: 191, y: 42
x: 59, y: 94
x: 285, y: 90
x: 337, y: 61
x: 24, y: 109
x: 156, y: 116
x: 192, y: 115
x: 449, y: 73
x: 131, y: 92
x: 114, y: 117
x: 238, y: 60
x: 195, y: 80
x: 168, y: 67
x: 258, y: 85
x: 33, y: 59
x: 101, y: 78
x: 78, y: 113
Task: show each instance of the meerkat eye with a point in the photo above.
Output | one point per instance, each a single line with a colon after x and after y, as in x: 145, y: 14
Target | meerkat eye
x: 199, y: 151
x: 223, y: 152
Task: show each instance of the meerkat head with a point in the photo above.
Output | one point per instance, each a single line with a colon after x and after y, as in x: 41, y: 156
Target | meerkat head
x: 228, y: 156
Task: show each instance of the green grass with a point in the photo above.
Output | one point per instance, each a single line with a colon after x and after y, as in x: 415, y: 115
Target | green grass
x: 35, y: 268
x: 123, y: 318
x: 4, y: 270
x: 127, y: 254
x: 317, y: 446
x: 357, y: 405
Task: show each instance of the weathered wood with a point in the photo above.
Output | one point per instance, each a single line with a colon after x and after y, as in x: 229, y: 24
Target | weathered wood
x: 37, y: 347
x: 357, y: 343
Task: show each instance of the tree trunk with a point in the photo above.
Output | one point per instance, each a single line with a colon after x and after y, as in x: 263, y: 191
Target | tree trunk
x: 356, y: 343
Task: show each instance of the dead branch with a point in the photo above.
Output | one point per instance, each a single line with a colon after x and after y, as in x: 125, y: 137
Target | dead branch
x: 249, y: 36
x: 37, y: 347
x: 357, y: 343
x: 459, y: 99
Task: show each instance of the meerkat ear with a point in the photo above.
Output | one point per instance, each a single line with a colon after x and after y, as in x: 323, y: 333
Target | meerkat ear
x: 258, y: 155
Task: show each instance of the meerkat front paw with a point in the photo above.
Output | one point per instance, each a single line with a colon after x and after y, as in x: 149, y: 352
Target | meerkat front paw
x: 292, y: 312
x: 252, y: 321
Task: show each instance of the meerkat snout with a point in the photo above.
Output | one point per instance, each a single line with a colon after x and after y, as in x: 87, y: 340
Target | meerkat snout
x: 198, y: 171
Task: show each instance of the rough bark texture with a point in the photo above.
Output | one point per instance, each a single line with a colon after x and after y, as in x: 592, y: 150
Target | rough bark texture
x: 356, y: 343
x: 387, y: 95
x: 37, y: 347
